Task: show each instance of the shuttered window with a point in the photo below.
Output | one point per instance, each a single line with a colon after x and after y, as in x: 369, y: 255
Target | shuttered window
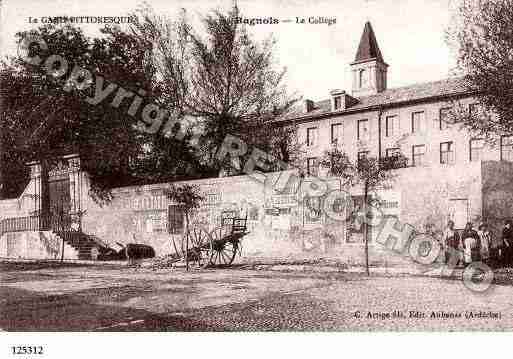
x: 418, y: 122
x: 176, y: 219
x: 507, y: 148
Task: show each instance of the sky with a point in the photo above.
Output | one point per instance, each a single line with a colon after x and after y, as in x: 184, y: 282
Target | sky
x: 410, y: 33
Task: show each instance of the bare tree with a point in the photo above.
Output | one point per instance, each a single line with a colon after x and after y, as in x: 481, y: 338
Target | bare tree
x: 482, y: 36
x: 221, y: 77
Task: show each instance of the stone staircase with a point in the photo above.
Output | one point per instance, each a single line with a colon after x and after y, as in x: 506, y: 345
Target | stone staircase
x: 81, y: 242
x: 45, y: 235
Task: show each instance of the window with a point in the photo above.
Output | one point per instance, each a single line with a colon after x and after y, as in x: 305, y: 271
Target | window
x: 312, y: 166
x: 337, y: 102
x: 392, y: 126
x: 507, y: 148
x: 363, y: 154
x: 336, y: 133
x: 393, y: 159
x: 175, y: 219
x: 383, y: 77
x: 476, y: 149
x: 418, y: 155
x: 311, y: 136
x: 363, y: 79
x: 445, y: 118
x: 363, y: 130
x: 392, y: 152
x: 418, y: 122
x: 447, y: 153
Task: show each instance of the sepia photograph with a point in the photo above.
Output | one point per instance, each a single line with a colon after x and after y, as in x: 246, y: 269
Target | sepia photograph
x: 337, y: 166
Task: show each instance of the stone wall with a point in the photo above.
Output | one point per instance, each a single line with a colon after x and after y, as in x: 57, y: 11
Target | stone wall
x: 140, y: 214
x: 34, y: 245
x: 497, y: 193
x: 279, y: 225
x: 428, y: 195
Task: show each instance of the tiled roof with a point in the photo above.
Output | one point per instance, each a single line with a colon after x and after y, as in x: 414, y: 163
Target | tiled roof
x: 368, y: 48
x: 413, y: 93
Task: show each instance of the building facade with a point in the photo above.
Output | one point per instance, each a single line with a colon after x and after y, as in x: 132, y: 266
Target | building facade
x: 416, y: 120
x: 420, y: 122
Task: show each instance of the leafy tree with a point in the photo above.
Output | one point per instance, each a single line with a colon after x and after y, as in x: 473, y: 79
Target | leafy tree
x: 370, y: 173
x: 42, y: 120
x: 189, y: 197
x: 482, y: 36
x: 222, y: 78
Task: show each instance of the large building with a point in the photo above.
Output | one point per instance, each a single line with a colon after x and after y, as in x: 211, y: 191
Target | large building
x: 451, y: 175
x: 372, y: 119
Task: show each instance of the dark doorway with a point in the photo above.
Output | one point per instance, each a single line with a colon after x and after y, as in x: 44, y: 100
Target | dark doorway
x: 59, y: 197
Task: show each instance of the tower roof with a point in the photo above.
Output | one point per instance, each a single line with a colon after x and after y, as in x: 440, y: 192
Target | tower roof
x: 368, y: 48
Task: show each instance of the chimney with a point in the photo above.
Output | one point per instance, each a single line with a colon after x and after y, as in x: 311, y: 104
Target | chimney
x: 308, y: 105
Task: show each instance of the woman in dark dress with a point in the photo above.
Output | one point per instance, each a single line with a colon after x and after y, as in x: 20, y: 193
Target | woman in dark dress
x: 507, y: 238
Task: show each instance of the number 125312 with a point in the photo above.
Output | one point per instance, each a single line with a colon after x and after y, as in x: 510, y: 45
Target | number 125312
x: 27, y: 350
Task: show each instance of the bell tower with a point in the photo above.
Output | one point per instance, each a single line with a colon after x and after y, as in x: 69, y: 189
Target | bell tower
x: 369, y: 70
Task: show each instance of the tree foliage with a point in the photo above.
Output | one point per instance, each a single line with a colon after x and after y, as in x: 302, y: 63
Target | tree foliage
x: 187, y: 195
x: 219, y: 80
x: 223, y: 78
x: 41, y: 120
x: 482, y: 36
x: 371, y: 172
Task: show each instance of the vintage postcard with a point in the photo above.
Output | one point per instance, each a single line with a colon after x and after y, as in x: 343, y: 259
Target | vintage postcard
x: 249, y: 166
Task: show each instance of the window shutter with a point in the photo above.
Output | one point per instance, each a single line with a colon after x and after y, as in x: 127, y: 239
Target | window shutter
x: 176, y: 219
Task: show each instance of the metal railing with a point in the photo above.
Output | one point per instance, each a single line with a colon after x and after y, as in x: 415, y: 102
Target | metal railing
x: 35, y: 223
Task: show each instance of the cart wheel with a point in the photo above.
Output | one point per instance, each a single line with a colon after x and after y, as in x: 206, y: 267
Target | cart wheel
x: 199, y: 245
x: 222, y: 251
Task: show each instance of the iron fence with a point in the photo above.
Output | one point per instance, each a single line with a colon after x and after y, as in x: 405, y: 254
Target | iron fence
x: 36, y: 223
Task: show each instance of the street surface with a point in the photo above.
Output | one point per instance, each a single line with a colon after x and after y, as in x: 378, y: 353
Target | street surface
x: 102, y: 298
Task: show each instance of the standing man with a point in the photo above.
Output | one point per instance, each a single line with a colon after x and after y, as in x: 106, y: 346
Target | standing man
x: 471, y: 244
x: 507, y: 238
x: 451, y: 239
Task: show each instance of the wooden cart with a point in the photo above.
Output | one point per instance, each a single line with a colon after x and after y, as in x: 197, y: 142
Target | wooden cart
x: 218, y: 247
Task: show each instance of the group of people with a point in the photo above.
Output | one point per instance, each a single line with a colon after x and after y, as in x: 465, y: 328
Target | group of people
x: 481, y: 245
